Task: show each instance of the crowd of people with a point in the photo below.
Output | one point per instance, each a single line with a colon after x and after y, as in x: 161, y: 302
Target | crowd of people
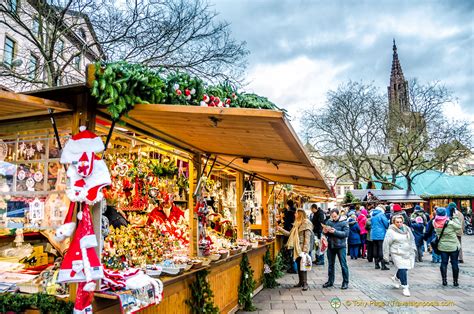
x: 380, y: 234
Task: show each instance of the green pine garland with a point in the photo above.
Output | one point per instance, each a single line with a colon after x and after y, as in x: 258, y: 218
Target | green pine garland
x: 269, y: 278
x: 202, y: 297
x: 247, y: 285
x: 45, y: 303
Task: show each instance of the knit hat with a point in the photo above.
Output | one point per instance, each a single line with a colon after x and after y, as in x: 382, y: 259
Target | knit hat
x: 419, y: 220
x: 417, y: 207
x: 397, y: 208
x: 450, y: 209
x: 440, y: 211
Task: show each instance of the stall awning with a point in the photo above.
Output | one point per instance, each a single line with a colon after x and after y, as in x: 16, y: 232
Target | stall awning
x: 255, y: 141
x: 15, y: 106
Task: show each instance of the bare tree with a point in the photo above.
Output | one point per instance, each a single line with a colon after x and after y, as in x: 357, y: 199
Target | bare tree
x: 346, y: 128
x: 357, y: 132
x: 170, y: 34
x: 423, y: 139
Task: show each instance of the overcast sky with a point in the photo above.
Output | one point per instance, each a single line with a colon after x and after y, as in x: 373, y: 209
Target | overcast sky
x: 302, y: 49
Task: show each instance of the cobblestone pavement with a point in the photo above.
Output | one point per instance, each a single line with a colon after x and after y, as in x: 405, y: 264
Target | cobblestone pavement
x: 371, y: 291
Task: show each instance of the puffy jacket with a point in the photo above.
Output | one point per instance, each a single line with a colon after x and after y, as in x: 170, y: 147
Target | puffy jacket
x: 449, y: 241
x: 418, y: 229
x: 354, y: 233
x: 362, y: 220
x: 379, y: 224
x: 338, y: 239
x: 400, y: 245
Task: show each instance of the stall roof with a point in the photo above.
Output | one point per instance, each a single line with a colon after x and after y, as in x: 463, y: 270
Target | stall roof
x: 255, y: 141
x: 391, y: 196
x: 15, y: 106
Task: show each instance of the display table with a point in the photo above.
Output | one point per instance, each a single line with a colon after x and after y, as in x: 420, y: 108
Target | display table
x: 224, y: 279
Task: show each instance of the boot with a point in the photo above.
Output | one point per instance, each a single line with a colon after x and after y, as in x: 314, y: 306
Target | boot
x: 320, y: 260
x: 443, y: 277
x: 300, y: 280
x: 377, y: 265
x: 455, y: 277
x: 305, y: 280
x: 384, y: 266
x: 406, y: 292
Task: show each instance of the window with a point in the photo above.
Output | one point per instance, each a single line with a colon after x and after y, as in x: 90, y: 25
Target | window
x: 77, y: 62
x: 12, y: 5
x: 33, y: 67
x: 9, y: 51
x: 35, y: 27
x: 82, y: 33
x: 59, y: 47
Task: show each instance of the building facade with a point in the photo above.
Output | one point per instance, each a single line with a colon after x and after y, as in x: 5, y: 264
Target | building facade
x: 40, y: 49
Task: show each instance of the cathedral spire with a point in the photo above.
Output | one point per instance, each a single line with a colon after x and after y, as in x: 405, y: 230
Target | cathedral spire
x: 398, y: 88
x: 397, y: 72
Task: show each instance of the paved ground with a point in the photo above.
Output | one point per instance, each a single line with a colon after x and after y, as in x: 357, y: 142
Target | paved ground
x: 371, y: 291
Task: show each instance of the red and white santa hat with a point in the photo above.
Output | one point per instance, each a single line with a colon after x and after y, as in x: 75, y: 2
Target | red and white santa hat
x: 84, y: 141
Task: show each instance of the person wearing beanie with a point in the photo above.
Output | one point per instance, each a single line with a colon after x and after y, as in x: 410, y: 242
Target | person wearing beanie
x: 379, y: 225
x: 398, y: 210
x: 418, y: 228
x: 429, y: 236
x: 399, y: 244
x: 369, y: 242
x: 388, y: 212
x: 299, y: 241
x: 448, y: 243
x: 418, y: 212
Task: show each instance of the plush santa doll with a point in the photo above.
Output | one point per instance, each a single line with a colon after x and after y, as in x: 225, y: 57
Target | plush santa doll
x: 87, y: 175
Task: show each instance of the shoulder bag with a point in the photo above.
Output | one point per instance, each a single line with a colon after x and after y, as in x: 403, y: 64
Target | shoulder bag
x: 435, y: 242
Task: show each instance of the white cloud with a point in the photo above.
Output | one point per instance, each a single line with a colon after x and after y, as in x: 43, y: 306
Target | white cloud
x: 295, y: 84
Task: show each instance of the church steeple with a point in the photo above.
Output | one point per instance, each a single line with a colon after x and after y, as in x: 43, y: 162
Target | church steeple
x: 398, y: 89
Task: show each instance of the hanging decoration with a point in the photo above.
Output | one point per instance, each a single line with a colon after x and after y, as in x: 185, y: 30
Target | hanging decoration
x: 87, y: 175
x: 247, y: 285
x: 202, y: 297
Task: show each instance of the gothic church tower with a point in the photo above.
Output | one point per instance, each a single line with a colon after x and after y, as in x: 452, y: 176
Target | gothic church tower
x: 398, y: 89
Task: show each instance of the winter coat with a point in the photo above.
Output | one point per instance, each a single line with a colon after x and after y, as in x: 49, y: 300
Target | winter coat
x: 288, y: 218
x: 449, y: 241
x: 379, y: 224
x: 337, y: 240
x: 403, y: 213
x: 362, y: 220
x: 430, y: 233
x: 354, y: 233
x: 317, y: 219
x: 368, y: 227
x: 400, y: 245
x: 418, y: 229
x: 461, y: 220
x: 304, y: 236
x: 418, y: 213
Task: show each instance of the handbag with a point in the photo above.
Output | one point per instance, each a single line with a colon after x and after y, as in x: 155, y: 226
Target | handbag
x: 435, y: 242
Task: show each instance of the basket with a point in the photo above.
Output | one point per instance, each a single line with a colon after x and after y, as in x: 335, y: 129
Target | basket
x: 215, y: 257
x: 224, y: 255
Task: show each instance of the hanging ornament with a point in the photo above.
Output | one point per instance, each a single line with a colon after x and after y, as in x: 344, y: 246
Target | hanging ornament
x: 21, y: 175
x: 22, y: 148
x: 39, y: 146
x: 38, y: 176
x: 30, y: 184
x: 36, y: 209
x: 3, y: 150
x: 121, y: 169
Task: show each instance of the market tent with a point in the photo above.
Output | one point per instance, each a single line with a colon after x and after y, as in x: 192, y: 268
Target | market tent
x: 432, y: 184
x: 16, y: 106
x: 252, y: 140
x: 390, y: 196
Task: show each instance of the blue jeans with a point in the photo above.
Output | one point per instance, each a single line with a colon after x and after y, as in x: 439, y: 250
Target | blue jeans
x: 445, y: 257
x: 402, y: 274
x: 341, y: 255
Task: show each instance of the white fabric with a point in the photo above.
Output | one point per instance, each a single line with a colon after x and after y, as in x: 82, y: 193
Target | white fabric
x: 401, y: 247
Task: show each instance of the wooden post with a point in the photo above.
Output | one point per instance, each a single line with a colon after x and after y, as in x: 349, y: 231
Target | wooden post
x: 193, y: 173
x: 265, y: 216
x: 84, y: 113
x: 239, y: 211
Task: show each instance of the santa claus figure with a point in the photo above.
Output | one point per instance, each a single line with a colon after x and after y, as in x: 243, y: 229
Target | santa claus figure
x: 87, y: 175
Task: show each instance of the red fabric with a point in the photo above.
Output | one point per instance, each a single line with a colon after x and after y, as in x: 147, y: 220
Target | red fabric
x: 397, y: 208
x: 84, y: 134
x: 361, y: 220
x: 83, y: 299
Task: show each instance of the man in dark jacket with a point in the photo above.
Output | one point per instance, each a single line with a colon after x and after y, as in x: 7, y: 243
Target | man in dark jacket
x: 336, y: 232
x: 318, y: 219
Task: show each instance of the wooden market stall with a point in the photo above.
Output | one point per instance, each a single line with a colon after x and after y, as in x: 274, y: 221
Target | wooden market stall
x: 252, y: 144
